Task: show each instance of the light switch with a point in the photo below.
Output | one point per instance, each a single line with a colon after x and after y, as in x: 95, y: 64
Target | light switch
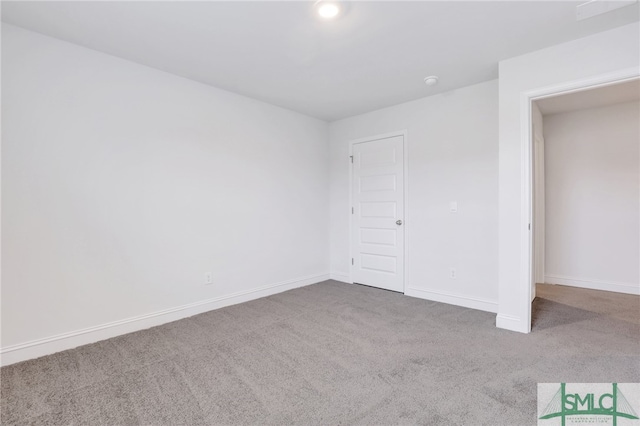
x: 453, y: 207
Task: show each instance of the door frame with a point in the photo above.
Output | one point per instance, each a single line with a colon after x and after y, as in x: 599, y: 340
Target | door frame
x: 405, y: 196
x: 526, y: 163
x: 538, y: 224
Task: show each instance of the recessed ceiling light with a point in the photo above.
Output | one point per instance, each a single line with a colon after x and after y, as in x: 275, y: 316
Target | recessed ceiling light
x: 327, y: 10
x: 432, y: 80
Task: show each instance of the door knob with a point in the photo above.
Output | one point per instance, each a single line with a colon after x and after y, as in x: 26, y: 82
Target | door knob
x: 398, y: 222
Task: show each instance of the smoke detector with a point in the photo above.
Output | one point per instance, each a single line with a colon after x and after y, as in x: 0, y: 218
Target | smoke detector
x: 432, y: 80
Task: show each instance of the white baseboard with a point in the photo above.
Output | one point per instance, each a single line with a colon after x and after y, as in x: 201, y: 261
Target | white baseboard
x: 511, y: 323
x: 61, y: 342
x: 454, y: 299
x: 341, y: 276
x: 618, y: 287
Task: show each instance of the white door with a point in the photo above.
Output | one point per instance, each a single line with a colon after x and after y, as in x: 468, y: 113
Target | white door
x: 377, y: 240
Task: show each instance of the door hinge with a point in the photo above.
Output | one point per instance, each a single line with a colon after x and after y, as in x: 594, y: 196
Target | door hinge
x: 351, y: 210
x: 529, y: 227
x: 352, y: 260
x: 351, y: 156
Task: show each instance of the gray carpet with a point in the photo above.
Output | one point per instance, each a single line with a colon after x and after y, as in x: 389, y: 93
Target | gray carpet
x: 333, y: 353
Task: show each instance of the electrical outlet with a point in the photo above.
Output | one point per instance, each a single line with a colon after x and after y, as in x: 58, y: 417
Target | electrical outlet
x: 452, y: 273
x: 208, y: 278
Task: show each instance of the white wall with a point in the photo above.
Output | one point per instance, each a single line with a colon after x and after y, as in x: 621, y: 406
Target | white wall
x: 123, y: 185
x: 607, y: 52
x: 453, y: 156
x: 593, y: 198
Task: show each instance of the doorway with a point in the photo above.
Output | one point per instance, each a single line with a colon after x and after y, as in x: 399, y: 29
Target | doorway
x: 378, y: 211
x: 585, y: 185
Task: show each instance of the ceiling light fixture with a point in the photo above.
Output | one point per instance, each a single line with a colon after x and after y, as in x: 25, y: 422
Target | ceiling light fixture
x: 432, y: 80
x: 327, y: 10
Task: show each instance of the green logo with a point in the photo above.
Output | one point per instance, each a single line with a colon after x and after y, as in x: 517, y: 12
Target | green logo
x: 612, y: 404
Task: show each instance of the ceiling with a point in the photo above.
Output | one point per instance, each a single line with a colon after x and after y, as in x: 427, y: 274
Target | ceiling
x: 374, y: 55
x: 628, y: 91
